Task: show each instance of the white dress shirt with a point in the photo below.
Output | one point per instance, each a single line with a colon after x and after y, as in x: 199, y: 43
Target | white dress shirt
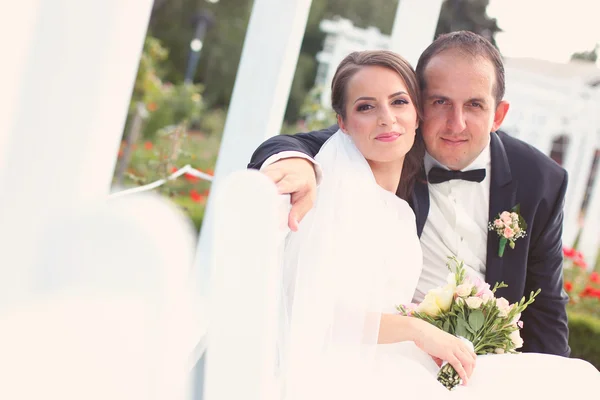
x: 457, y: 225
x: 294, y: 154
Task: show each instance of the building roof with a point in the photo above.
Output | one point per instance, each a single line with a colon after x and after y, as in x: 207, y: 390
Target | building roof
x: 586, y: 71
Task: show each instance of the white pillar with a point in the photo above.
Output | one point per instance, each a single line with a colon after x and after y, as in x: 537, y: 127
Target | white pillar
x: 589, y: 242
x: 580, y: 155
x: 260, y: 95
x: 69, y: 66
x: 414, y: 27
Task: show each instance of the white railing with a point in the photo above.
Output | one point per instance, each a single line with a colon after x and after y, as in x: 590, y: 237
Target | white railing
x: 248, y: 239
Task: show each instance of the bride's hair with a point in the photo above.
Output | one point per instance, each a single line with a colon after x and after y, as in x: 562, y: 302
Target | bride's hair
x: 354, y: 62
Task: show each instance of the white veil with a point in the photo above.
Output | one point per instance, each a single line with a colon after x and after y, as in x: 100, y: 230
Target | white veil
x: 334, y: 277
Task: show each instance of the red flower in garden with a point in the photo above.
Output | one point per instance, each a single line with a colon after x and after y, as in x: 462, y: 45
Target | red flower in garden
x: 568, y: 286
x: 173, y: 169
x: 195, y: 196
x: 148, y: 145
x: 152, y: 107
x: 590, y: 292
x: 568, y: 252
x: 191, y: 178
x: 580, y: 262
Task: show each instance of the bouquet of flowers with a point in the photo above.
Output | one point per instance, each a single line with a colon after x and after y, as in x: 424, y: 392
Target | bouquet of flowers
x: 466, y: 307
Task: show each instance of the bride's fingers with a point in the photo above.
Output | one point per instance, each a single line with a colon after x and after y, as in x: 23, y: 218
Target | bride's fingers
x: 437, y: 360
x: 458, y: 367
x: 466, y: 361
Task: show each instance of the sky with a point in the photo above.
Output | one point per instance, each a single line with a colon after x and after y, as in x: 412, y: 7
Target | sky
x: 546, y: 29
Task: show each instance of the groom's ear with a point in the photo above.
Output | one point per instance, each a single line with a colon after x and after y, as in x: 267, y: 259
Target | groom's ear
x: 500, y: 114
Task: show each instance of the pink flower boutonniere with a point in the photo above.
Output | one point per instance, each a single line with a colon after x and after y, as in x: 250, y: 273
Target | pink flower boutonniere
x: 510, y: 226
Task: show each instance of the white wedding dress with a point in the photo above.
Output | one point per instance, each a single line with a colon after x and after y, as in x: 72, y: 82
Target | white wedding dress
x: 355, y: 256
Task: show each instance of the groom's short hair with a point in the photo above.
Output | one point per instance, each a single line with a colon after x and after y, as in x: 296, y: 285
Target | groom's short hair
x: 470, y: 44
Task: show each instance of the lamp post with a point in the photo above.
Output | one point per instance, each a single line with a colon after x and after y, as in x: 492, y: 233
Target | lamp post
x: 202, y: 21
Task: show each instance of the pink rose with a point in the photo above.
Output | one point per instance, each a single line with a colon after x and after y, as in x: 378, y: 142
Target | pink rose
x: 514, y: 216
x: 464, y: 289
x: 508, y: 233
x: 498, y: 223
x: 481, y: 286
x: 487, y: 296
x: 503, y: 307
x: 410, y: 308
x: 505, y: 217
x: 516, y: 319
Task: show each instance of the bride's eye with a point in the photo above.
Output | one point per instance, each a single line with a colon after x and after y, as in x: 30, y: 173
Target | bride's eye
x: 400, y: 102
x: 364, y: 107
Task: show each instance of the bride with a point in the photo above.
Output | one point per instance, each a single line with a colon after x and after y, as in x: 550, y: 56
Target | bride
x: 357, y: 256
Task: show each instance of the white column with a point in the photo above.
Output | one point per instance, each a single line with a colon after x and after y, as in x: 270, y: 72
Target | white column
x: 69, y: 66
x: 589, y: 242
x: 580, y: 155
x: 414, y: 27
x: 260, y: 95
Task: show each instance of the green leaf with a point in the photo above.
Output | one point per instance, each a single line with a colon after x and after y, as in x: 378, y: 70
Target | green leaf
x: 476, y: 320
x: 501, y: 246
x: 446, y: 326
x: 462, y: 329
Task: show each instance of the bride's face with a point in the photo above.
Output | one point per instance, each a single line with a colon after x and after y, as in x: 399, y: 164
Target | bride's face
x: 380, y: 115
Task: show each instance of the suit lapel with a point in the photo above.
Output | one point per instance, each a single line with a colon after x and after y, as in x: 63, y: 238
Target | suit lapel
x: 503, y: 193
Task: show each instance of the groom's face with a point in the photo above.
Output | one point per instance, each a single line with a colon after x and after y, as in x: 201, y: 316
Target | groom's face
x: 460, y: 109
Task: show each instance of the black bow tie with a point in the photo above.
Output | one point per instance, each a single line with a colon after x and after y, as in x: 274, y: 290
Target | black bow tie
x: 439, y: 175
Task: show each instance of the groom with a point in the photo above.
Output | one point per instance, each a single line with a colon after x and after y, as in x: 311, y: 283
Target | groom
x: 472, y: 172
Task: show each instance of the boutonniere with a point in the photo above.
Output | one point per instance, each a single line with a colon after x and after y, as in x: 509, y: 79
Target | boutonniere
x: 510, y: 226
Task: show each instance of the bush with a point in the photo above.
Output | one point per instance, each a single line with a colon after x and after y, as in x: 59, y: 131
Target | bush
x: 584, y: 337
x: 193, y: 209
x: 582, y: 285
x: 171, y: 106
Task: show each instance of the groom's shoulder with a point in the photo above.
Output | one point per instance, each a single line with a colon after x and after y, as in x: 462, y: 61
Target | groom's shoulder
x: 527, y: 158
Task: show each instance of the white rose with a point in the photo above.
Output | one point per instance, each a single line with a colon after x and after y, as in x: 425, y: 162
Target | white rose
x: 487, y: 296
x: 437, y: 300
x: 515, y: 337
x: 499, y: 351
x: 460, y: 301
x: 429, y: 306
x: 444, y: 297
x: 474, y: 302
x: 464, y: 289
x: 503, y: 307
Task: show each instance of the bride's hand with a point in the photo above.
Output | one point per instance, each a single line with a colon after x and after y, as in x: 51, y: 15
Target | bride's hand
x: 444, y: 346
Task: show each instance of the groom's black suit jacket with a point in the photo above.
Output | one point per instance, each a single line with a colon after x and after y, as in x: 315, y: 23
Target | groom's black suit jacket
x: 520, y: 174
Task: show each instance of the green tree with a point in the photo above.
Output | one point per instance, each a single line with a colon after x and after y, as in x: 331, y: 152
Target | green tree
x: 468, y: 15
x: 591, y: 56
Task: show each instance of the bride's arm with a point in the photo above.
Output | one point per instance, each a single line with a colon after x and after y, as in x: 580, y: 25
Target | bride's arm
x: 395, y: 328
